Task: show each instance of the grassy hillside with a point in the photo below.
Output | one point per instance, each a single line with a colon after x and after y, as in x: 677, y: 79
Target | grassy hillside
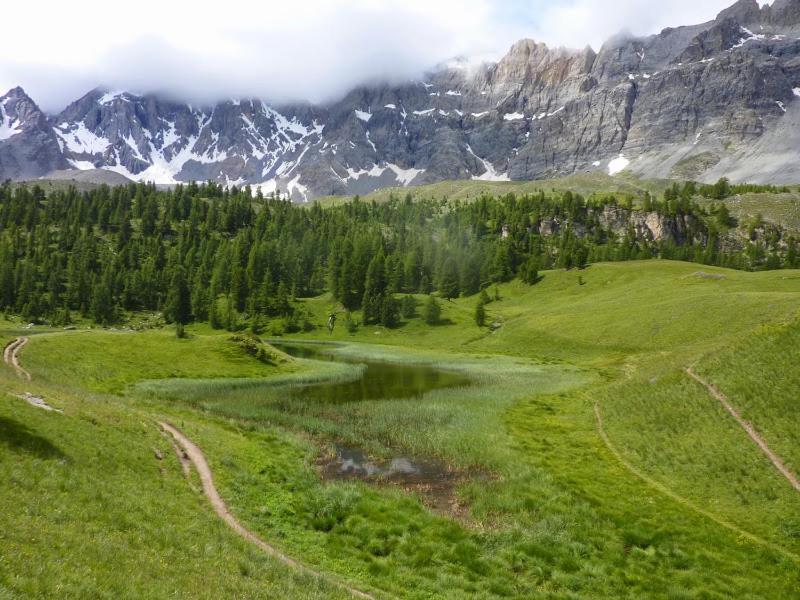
x: 605, y: 315
x: 95, y: 505
x: 589, y: 464
x: 760, y: 372
x: 110, y: 361
x: 585, y: 184
x: 777, y: 209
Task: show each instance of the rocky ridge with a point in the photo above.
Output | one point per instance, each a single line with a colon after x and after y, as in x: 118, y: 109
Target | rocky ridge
x: 719, y: 98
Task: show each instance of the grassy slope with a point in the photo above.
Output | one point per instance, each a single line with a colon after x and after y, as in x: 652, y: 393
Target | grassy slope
x: 90, y: 511
x: 779, y: 209
x: 110, y: 361
x: 760, y: 374
x: 648, y: 321
x: 564, y: 514
x: 623, y: 311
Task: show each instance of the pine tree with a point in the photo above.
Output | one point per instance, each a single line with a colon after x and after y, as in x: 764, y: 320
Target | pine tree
x: 480, y: 315
x: 374, y: 289
x: 179, y: 302
x: 390, y: 312
x: 501, y: 269
x: 448, y: 281
x: 529, y: 272
x: 408, y: 307
x: 102, y: 307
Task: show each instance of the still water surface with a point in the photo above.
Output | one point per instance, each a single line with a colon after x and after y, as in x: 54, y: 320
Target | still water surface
x: 379, y: 380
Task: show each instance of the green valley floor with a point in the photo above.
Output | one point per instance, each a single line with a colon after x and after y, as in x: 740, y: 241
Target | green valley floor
x: 582, y: 458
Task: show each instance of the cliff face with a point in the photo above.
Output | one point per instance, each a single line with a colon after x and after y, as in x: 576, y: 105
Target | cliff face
x: 720, y: 98
x: 28, y: 146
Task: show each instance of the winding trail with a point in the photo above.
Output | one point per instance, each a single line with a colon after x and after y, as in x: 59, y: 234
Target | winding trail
x: 195, y: 455
x: 754, y: 435
x: 660, y: 487
x: 11, y: 356
x: 192, y: 454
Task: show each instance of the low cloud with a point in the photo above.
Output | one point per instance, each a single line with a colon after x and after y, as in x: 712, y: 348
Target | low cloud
x: 312, y: 50
x: 576, y: 23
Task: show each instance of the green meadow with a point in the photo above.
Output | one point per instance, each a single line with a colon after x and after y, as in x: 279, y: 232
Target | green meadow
x: 585, y: 462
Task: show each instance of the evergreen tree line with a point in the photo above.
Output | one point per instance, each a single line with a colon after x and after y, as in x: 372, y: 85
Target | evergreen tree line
x: 723, y: 188
x: 207, y: 253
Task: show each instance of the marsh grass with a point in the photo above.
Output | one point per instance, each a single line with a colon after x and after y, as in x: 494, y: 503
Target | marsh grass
x: 194, y: 390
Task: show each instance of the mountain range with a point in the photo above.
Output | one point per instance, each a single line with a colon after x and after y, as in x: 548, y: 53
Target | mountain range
x: 695, y: 102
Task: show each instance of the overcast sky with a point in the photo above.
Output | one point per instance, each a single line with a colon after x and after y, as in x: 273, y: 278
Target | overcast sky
x: 279, y: 50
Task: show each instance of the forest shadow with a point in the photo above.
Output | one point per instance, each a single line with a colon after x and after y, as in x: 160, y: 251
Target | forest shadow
x: 443, y: 323
x: 18, y: 437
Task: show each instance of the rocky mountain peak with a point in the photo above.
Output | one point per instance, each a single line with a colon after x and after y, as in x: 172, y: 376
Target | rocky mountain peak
x: 528, y: 59
x: 746, y: 12
x: 784, y: 13
x: 28, y: 147
x: 18, y: 112
x: 778, y: 13
x: 699, y: 101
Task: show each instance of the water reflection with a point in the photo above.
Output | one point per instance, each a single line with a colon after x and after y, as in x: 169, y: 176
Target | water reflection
x: 379, y: 380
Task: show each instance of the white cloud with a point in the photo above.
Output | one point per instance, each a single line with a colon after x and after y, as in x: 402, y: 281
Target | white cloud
x: 278, y: 50
x: 576, y: 23
x: 312, y: 49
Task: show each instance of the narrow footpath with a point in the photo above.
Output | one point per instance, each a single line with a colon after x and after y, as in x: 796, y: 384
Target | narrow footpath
x: 195, y: 455
x: 11, y: 356
x: 754, y: 435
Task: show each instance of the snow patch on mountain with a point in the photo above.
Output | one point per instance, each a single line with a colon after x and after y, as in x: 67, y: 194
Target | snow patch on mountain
x: 748, y: 36
x: 618, y: 165
x: 9, y: 127
x: 295, y: 186
x: 490, y: 173
x: 404, y: 176
x: 363, y: 115
x: 78, y: 139
x: 110, y: 97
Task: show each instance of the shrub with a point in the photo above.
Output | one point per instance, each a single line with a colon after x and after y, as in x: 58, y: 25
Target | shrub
x: 433, y: 311
x: 254, y: 348
x: 408, y: 307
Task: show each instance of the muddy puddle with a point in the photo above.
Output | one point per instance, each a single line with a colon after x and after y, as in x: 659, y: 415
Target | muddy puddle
x: 435, y: 482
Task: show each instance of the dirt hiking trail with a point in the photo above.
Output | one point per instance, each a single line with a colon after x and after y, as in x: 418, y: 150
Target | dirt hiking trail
x: 754, y: 435
x: 11, y: 356
x: 660, y: 487
x: 191, y: 453
x: 195, y: 455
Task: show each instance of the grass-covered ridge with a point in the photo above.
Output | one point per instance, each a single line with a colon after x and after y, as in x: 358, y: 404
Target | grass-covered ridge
x: 111, y: 361
x: 95, y: 504
x: 607, y: 314
x: 586, y: 184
